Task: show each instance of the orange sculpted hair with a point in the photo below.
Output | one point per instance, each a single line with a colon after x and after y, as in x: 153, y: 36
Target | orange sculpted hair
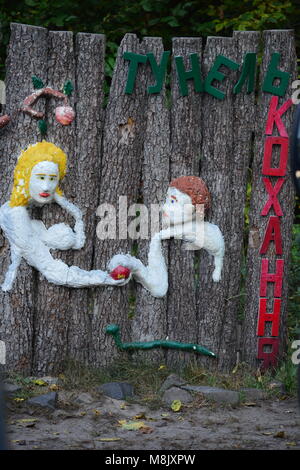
x: 194, y: 187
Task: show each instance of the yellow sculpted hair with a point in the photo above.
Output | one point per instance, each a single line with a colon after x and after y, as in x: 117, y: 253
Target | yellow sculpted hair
x: 40, y: 152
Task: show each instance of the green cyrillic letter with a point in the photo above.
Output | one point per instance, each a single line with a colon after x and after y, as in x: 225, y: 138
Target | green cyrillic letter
x: 273, y: 73
x: 159, y: 71
x: 215, y: 74
x: 134, y: 59
x: 248, y: 73
x: 193, y: 74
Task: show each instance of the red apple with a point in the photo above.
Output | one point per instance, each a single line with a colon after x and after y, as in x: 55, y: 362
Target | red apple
x: 120, y: 272
x: 4, y: 120
x: 64, y: 115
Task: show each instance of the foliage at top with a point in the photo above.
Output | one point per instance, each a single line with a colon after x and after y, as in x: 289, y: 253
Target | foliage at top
x: 163, y: 18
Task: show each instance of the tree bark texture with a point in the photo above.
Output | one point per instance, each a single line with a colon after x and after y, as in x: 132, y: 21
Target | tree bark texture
x: 149, y: 320
x: 186, y: 133
x: 126, y: 153
x: 27, y: 56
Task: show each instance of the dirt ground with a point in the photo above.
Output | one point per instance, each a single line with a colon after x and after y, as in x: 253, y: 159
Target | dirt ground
x: 109, y: 424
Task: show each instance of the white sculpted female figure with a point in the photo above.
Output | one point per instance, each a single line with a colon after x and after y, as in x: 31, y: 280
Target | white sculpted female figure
x: 36, y: 178
x: 183, y: 213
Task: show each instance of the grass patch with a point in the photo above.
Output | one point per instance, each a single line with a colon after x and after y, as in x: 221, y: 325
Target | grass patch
x: 147, y: 378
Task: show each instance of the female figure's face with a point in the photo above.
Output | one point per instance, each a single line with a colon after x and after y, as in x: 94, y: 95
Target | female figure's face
x: 178, y: 207
x: 43, y: 182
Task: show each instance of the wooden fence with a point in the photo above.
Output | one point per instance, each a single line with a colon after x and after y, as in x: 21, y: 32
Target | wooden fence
x: 134, y: 146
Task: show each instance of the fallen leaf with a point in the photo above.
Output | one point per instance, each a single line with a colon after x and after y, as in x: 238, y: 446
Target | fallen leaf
x: 54, y: 387
x: 140, y: 416
x: 293, y: 443
x: 280, y: 434
x: 123, y: 406
x: 21, y: 442
x: 161, y: 367
x: 28, y: 422
x: 108, y: 439
x: 96, y: 412
x: 132, y: 426
x: 18, y: 400
x: 82, y: 413
x: 39, y: 382
x: 176, y: 405
x: 146, y: 429
x: 267, y: 433
x: 250, y: 403
x: 165, y: 415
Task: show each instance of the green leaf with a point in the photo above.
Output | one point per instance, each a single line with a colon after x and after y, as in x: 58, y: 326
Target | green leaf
x: 68, y: 88
x: 146, y: 5
x: 219, y: 27
x: 37, y: 82
x: 42, y: 126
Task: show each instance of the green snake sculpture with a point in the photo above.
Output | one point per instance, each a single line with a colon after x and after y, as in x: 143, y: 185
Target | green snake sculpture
x: 114, y: 330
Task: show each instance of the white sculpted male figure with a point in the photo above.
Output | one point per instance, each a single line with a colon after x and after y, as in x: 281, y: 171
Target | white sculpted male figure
x: 183, y: 214
x: 37, y: 174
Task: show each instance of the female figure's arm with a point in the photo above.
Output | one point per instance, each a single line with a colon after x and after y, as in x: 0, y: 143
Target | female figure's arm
x: 16, y: 224
x: 75, y: 212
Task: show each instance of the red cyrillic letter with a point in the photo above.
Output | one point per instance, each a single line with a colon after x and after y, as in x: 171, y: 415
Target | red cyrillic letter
x: 269, y: 358
x: 266, y: 277
x: 264, y: 316
x: 272, y: 234
x: 281, y: 170
x: 274, y: 116
x: 272, y: 201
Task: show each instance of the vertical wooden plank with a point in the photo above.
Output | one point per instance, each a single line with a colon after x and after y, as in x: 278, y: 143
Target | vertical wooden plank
x: 216, y: 169
x: 90, y: 59
x: 53, y: 302
x: 186, y: 134
x: 149, y: 321
x: 243, y: 124
x: 281, y: 41
x: 120, y: 176
x: 27, y: 56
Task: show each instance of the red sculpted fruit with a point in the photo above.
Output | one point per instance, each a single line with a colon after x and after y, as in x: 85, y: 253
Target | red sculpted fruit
x: 64, y: 115
x: 4, y: 120
x: 120, y: 272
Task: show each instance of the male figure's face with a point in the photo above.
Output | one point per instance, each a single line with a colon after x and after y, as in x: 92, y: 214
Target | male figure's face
x: 178, y: 208
x: 43, y: 182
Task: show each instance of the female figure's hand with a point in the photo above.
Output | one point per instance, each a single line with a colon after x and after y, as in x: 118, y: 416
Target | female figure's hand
x: 75, y: 212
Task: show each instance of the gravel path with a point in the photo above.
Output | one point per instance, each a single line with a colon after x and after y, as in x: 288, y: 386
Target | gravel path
x: 105, y: 423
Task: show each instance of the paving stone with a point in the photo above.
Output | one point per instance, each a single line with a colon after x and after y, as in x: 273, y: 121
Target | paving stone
x: 11, y: 389
x: 84, y: 398
x: 47, y: 401
x: 277, y: 386
x: 117, y: 390
x: 50, y: 380
x: 219, y: 395
x: 171, y: 381
x: 253, y: 394
x: 176, y: 393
